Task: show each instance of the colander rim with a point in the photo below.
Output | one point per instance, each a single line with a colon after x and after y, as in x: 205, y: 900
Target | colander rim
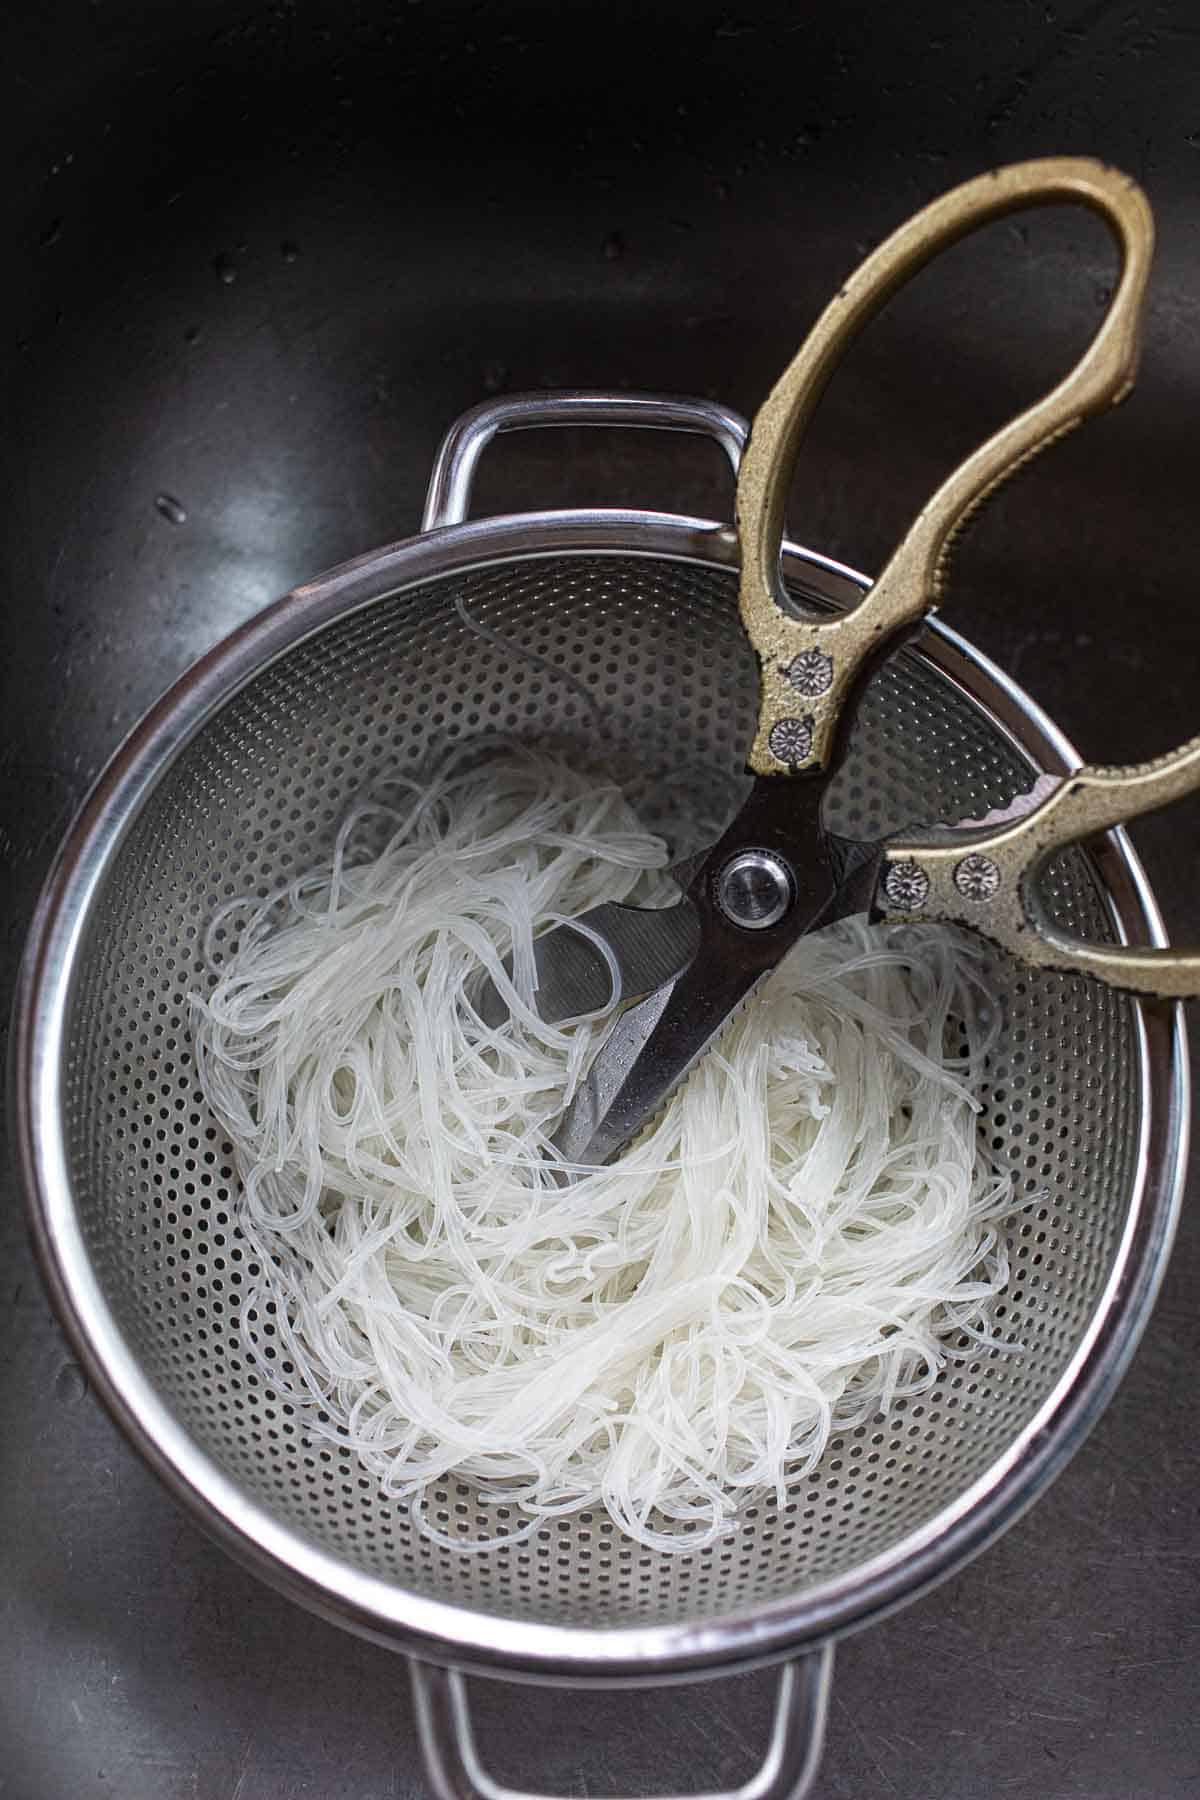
x: 284, y: 1556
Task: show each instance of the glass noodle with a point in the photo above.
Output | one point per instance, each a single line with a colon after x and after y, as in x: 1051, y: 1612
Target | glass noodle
x: 803, y: 1235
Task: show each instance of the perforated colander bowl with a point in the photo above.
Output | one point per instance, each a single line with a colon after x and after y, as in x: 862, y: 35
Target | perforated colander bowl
x: 614, y: 636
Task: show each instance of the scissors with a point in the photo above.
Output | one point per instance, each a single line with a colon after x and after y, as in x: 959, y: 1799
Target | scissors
x: 776, y: 872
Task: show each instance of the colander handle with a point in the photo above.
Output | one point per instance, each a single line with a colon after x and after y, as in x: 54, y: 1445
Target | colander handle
x: 811, y: 668
x: 449, y: 497
x: 785, y: 1773
x: 988, y: 882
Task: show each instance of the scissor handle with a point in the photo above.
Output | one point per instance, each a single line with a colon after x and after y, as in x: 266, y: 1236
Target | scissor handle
x: 988, y: 882
x: 810, y: 667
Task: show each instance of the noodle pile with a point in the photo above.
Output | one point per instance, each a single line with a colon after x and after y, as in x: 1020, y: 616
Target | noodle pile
x: 800, y: 1237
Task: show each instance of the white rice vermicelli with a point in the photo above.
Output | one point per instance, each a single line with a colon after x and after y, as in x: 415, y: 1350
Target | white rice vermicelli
x: 802, y: 1235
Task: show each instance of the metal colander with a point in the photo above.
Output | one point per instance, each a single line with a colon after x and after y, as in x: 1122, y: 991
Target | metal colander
x: 614, y: 637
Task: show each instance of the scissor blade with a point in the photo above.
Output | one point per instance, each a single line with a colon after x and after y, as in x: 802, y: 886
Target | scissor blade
x: 643, y: 948
x: 646, y: 1055
x: 651, y: 1047
x: 610, y: 1104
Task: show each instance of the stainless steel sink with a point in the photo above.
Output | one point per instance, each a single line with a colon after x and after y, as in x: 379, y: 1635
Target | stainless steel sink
x: 258, y: 258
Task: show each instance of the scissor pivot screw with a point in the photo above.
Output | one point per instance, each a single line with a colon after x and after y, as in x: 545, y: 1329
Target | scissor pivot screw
x: 755, y: 890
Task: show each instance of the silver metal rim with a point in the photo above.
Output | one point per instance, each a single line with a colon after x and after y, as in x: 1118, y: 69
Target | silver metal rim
x: 293, y: 1563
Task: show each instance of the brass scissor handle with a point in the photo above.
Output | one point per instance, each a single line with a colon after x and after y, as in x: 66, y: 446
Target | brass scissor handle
x: 987, y: 882
x: 809, y: 667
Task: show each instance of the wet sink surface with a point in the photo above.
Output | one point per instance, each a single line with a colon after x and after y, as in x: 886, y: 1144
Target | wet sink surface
x: 258, y: 258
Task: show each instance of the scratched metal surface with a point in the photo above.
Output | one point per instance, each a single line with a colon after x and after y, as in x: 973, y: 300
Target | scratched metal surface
x: 257, y: 258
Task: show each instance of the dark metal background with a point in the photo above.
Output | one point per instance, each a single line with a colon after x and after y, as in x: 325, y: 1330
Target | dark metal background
x: 257, y: 257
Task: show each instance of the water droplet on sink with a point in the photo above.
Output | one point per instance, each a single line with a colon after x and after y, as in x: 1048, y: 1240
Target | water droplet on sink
x: 288, y: 250
x: 170, y: 508
x: 70, y: 1384
x: 613, y: 246
x: 225, y: 269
